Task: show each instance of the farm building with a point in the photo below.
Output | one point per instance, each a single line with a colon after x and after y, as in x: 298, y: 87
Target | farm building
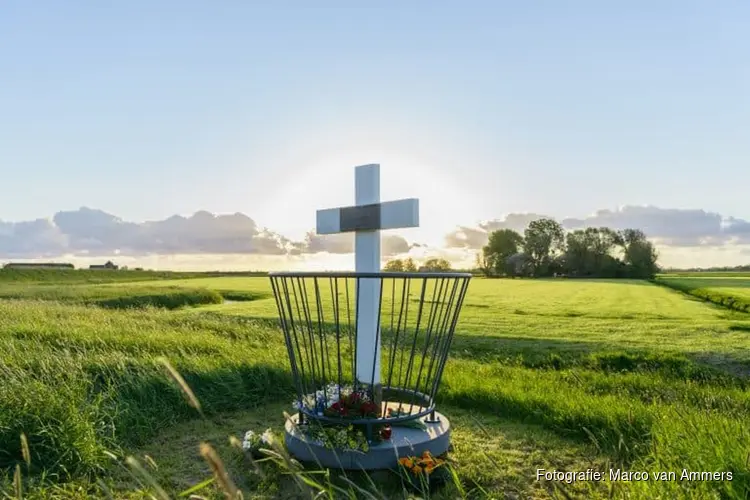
x: 38, y: 265
x: 107, y: 265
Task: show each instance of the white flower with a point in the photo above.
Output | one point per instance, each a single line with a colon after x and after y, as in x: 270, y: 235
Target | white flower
x: 250, y: 439
x: 267, y: 437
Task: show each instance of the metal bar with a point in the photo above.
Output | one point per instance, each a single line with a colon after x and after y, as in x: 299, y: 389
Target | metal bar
x: 375, y: 364
x: 323, y: 338
x: 437, y: 291
x: 452, y: 330
x: 414, y: 343
x: 287, y: 337
x: 356, y: 331
x: 294, y: 330
x: 406, y: 325
x: 384, y: 274
x: 308, y: 321
x: 440, y: 349
x: 334, y: 284
x: 349, y: 326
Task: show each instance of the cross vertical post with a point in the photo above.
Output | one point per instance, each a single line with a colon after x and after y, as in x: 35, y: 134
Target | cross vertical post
x: 367, y: 259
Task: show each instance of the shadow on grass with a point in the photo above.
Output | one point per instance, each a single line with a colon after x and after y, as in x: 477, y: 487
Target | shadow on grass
x: 550, y: 354
x: 611, y: 281
x: 70, y: 425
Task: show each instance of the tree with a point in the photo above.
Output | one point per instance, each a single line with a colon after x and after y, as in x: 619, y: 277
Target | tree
x: 517, y: 265
x: 410, y: 266
x: 588, y: 252
x: 639, y: 254
x: 394, y: 265
x: 543, y: 240
x: 500, y: 246
x: 436, y: 264
x: 399, y: 265
x: 483, y: 263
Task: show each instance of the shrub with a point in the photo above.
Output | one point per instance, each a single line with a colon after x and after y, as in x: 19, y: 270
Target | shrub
x: 166, y: 300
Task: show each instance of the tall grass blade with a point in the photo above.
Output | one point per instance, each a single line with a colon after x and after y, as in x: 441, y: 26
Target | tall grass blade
x: 220, y: 472
x: 105, y: 490
x: 25, y: 450
x: 141, y: 472
x: 183, y: 385
x: 18, y: 482
x: 189, y: 492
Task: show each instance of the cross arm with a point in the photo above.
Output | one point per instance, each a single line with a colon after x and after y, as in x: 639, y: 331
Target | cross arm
x: 387, y: 215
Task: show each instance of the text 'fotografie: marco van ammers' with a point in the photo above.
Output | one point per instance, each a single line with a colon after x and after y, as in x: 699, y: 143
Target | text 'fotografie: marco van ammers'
x: 625, y: 475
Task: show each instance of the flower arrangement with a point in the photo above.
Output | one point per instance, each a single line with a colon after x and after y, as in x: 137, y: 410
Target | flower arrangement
x: 339, y: 401
x: 347, y: 403
x: 421, y: 466
x: 339, y: 437
x: 254, y: 442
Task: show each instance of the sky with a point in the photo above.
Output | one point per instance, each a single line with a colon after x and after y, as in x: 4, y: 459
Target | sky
x: 481, y: 109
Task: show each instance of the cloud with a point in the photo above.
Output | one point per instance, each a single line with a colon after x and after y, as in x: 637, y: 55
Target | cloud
x: 476, y: 237
x: 684, y: 238
x: 94, y: 232
x: 88, y: 231
x: 390, y: 244
x: 669, y: 227
x: 39, y: 236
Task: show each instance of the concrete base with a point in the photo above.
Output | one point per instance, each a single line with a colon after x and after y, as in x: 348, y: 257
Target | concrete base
x: 404, y: 442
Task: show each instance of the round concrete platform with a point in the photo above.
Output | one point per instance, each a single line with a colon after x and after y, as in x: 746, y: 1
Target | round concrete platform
x: 405, y: 441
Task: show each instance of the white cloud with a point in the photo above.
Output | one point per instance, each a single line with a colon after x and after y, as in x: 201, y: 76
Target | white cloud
x: 209, y: 241
x: 667, y: 227
x: 390, y: 244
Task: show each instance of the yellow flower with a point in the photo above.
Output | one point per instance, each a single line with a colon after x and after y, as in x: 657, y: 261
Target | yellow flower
x: 407, y: 462
x: 416, y: 470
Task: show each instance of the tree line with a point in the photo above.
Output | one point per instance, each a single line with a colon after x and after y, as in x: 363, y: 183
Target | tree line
x: 408, y: 265
x: 545, y: 249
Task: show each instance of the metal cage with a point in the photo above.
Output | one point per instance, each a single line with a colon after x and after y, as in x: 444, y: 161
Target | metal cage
x: 416, y: 318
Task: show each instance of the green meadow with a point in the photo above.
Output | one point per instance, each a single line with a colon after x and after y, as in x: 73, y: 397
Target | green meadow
x: 554, y: 374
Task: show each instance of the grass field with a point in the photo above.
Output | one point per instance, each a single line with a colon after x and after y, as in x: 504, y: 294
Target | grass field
x: 550, y: 374
x: 731, y: 290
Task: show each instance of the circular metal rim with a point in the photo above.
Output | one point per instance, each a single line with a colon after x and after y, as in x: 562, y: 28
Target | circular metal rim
x: 355, y: 274
x: 429, y: 407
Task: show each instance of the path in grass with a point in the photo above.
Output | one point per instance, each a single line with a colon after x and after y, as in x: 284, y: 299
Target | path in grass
x: 560, y: 373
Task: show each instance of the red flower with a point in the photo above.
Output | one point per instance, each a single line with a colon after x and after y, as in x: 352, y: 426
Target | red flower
x: 385, y: 432
x: 339, y: 408
x: 368, y: 408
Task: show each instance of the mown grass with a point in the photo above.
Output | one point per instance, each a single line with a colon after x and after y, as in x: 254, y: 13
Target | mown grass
x: 87, y: 275
x: 116, y: 298
x: 732, y: 292
x: 554, y: 374
x: 123, y: 291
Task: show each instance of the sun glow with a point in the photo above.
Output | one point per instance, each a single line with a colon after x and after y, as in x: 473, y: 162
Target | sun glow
x: 444, y: 203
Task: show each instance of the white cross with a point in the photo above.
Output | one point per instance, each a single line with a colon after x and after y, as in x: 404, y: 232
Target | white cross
x: 366, y: 219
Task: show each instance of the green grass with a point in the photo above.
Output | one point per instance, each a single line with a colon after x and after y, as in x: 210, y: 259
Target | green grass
x: 706, y: 274
x: 731, y: 291
x: 69, y: 276
x: 554, y: 374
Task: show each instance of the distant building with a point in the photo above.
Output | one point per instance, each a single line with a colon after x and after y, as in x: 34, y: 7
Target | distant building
x: 38, y: 265
x: 108, y: 265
